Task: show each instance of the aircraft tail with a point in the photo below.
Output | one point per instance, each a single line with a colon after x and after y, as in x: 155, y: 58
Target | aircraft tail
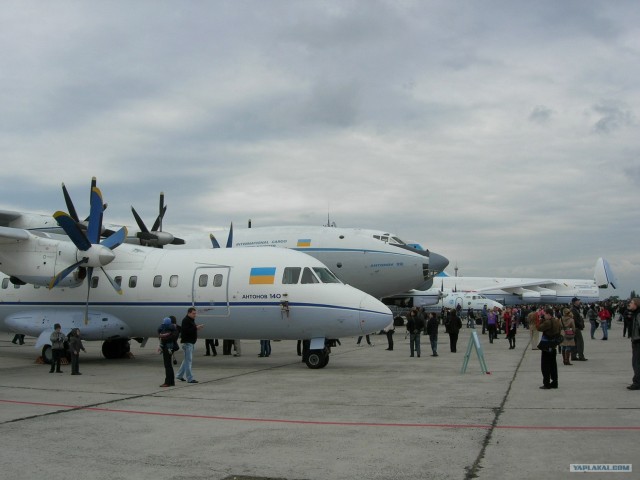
x: 604, y: 276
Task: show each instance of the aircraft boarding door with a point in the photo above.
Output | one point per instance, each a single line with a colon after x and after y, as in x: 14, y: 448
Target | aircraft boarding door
x: 210, y: 291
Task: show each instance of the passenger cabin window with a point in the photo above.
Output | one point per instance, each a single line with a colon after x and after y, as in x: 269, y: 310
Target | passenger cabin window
x: 94, y: 282
x: 118, y: 280
x: 217, y: 280
x: 157, y: 281
x: 173, y: 281
x: 133, y: 281
x: 291, y: 275
x: 308, y: 276
x: 5, y: 283
x: 325, y: 275
x: 203, y: 280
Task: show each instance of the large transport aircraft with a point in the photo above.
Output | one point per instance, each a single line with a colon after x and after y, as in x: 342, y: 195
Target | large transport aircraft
x: 517, y: 291
x: 376, y: 262
x: 246, y: 293
x: 434, y: 299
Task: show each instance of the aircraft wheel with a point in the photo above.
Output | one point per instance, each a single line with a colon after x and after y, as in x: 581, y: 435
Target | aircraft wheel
x: 47, y: 355
x: 115, y: 348
x: 317, y: 359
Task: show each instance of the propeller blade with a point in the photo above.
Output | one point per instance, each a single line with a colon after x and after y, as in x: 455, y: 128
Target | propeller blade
x: 214, y: 242
x: 161, y: 210
x: 230, y: 237
x: 60, y: 276
x: 113, y: 283
x: 143, y: 228
x: 69, y: 202
x: 157, y: 225
x: 95, y: 216
x: 70, y: 227
x: 116, y: 239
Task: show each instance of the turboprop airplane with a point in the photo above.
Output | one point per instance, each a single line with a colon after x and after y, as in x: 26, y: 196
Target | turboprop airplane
x: 239, y: 293
x: 514, y: 291
x: 376, y: 262
x: 435, y: 299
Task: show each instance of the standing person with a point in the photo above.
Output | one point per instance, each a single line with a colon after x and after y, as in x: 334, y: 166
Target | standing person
x: 57, y: 348
x: 389, y: 330
x: 432, y: 330
x: 18, y: 337
x: 577, y: 318
x: 188, y: 338
x: 592, y: 316
x: 75, y: 345
x: 512, y: 326
x: 550, y: 327
x: 627, y: 316
x: 492, y: 324
x: 414, y: 327
x: 634, y: 335
x: 569, y: 329
x: 605, y: 317
x: 484, y: 314
x: 453, y: 329
x: 168, y: 334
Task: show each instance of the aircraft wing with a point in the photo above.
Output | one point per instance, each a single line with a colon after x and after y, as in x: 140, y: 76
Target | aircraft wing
x: 8, y: 216
x: 517, y: 287
x: 14, y: 234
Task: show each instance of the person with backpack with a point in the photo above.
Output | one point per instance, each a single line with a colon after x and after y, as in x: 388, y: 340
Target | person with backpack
x: 168, y: 335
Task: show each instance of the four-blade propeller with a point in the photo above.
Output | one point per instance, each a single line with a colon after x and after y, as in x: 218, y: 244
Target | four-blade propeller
x: 155, y: 237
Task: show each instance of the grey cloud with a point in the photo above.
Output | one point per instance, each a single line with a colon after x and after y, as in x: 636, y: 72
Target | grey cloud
x: 612, y: 117
x: 540, y: 114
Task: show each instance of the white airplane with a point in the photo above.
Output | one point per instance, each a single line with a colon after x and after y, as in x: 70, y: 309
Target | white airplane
x: 514, y: 291
x: 435, y: 299
x: 376, y: 262
x: 239, y: 293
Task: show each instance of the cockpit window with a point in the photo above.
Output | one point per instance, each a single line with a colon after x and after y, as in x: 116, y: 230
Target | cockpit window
x: 325, y: 275
x: 386, y: 238
x: 308, y: 276
x: 291, y: 275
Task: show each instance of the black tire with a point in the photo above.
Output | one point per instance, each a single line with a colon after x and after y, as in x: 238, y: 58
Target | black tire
x: 115, y: 348
x: 47, y: 355
x: 316, y: 359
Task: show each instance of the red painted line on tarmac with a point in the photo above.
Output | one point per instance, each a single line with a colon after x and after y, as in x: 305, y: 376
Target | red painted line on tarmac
x: 314, y: 422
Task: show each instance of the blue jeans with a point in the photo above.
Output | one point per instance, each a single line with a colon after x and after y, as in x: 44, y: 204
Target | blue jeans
x: 185, y: 367
x: 605, y: 329
x: 433, y: 339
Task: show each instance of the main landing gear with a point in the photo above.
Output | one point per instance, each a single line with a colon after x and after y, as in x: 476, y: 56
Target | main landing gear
x: 116, y: 348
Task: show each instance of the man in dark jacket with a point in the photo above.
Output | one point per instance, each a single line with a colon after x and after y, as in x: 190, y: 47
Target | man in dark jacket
x: 188, y: 339
x: 550, y: 327
x: 453, y: 328
x: 634, y: 334
x: 168, y: 334
x: 578, y: 353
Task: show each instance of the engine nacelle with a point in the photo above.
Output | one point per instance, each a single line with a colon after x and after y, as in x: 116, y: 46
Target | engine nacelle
x: 101, y: 326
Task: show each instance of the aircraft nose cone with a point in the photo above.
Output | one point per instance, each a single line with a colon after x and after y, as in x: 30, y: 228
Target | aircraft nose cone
x: 437, y: 262
x: 374, y: 315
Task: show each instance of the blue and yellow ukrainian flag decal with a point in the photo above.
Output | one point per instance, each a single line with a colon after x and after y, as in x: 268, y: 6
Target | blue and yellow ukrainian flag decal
x: 262, y: 276
x: 304, y: 242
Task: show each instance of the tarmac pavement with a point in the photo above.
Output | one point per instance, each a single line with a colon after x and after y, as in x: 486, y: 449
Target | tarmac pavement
x: 371, y: 414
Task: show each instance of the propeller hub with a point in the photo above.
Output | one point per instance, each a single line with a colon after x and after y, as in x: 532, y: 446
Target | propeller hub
x: 97, y: 256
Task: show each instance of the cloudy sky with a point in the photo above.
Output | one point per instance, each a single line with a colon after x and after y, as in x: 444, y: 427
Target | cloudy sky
x: 501, y: 134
